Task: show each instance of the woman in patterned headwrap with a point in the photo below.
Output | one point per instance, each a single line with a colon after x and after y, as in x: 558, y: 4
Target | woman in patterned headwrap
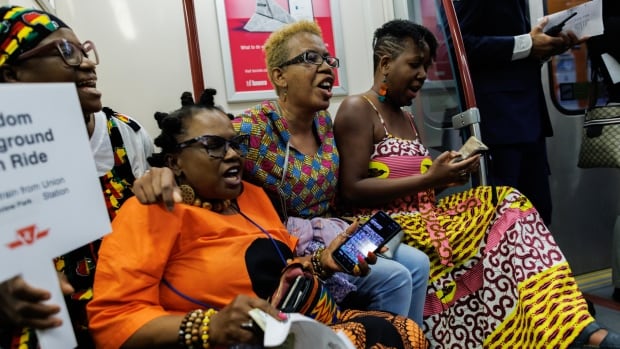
x: 36, y: 46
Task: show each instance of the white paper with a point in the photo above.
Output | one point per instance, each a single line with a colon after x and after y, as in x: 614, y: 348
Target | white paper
x: 613, y: 67
x: 588, y: 21
x: 302, y: 332
x: 268, y: 17
x: 50, y: 196
x: 301, y: 9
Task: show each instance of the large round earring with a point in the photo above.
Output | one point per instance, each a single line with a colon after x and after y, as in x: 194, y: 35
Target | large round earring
x: 383, y: 89
x: 188, y: 194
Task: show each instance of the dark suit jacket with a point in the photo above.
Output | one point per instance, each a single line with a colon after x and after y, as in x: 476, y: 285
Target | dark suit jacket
x: 508, y: 93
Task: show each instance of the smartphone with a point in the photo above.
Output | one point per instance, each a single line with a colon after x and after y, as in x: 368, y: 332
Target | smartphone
x: 557, y: 29
x: 295, y: 295
x: 370, y: 236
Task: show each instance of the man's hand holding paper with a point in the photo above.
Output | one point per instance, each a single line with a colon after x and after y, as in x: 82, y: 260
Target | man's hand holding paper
x: 586, y: 20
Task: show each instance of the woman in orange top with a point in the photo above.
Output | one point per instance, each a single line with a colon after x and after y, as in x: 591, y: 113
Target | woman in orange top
x: 188, y: 278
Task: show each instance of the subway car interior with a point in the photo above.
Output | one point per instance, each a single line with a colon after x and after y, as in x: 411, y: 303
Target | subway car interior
x: 151, y: 51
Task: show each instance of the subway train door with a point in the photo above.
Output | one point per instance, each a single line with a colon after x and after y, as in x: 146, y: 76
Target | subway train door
x: 586, y: 202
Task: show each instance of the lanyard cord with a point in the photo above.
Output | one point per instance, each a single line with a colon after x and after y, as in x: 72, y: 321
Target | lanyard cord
x: 273, y: 241
x: 279, y: 188
x: 186, y: 297
x: 206, y: 305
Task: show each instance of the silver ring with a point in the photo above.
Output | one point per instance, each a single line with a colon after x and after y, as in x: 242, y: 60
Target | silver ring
x: 248, y: 325
x: 463, y: 173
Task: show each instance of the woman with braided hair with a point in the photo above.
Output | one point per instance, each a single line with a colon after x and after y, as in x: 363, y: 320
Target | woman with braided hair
x: 187, y: 278
x: 294, y: 158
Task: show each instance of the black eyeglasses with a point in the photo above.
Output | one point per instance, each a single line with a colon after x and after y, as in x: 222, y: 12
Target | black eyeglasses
x: 217, y: 147
x: 71, y: 53
x: 313, y: 57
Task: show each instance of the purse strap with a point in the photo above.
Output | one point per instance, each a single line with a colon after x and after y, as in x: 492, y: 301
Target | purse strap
x: 593, y: 87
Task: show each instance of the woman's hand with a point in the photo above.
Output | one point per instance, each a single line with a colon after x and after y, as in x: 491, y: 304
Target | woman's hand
x: 328, y: 262
x: 445, y: 172
x: 157, y: 185
x: 230, y: 325
x: 22, y: 305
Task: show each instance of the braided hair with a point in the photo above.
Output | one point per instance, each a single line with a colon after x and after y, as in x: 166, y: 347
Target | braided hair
x: 389, y: 39
x: 172, y: 124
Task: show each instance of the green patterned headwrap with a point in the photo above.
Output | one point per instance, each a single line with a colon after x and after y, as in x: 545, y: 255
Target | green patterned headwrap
x: 21, y: 29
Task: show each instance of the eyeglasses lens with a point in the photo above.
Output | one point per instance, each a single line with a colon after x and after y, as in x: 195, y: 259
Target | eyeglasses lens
x: 73, y: 54
x: 89, y: 51
x: 217, y: 147
x: 69, y: 53
x: 332, y: 61
x: 315, y: 58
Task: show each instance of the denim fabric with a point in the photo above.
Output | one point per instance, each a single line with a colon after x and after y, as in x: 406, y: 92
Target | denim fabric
x: 611, y: 340
x: 399, y: 285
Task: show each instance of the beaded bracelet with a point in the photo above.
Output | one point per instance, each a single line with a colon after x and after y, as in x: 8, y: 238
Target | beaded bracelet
x: 317, y: 267
x: 204, y: 329
x: 187, y: 337
x: 194, y: 329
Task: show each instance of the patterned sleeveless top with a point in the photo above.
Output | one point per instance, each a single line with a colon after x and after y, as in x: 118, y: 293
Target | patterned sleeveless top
x: 79, y: 264
x: 395, y: 157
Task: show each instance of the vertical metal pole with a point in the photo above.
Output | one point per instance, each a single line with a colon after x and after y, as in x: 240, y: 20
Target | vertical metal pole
x: 468, y: 88
x: 193, y: 47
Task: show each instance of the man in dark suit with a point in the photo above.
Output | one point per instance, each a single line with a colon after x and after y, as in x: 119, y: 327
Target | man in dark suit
x: 505, y: 56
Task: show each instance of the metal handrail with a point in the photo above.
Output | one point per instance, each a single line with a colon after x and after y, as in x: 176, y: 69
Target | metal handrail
x: 470, y: 117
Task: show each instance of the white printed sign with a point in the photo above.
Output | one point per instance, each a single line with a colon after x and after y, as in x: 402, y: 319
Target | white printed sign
x: 50, y: 196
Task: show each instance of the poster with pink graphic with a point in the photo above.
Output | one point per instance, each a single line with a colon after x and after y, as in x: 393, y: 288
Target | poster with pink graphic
x: 245, y: 25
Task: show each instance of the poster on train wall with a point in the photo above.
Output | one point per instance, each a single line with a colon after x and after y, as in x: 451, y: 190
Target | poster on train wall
x: 244, y: 25
x: 50, y: 196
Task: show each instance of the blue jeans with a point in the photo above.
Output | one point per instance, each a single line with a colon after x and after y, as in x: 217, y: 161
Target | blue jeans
x: 398, y: 285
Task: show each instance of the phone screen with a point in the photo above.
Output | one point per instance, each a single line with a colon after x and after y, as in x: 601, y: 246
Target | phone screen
x: 370, y: 236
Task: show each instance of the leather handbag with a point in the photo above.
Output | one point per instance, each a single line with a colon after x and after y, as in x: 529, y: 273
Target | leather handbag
x: 300, y: 291
x: 600, y: 142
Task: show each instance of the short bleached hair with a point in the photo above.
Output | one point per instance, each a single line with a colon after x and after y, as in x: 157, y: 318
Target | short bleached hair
x: 276, y: 47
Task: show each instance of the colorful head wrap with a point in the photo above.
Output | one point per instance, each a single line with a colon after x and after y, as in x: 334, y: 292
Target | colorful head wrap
x: 21, y: 29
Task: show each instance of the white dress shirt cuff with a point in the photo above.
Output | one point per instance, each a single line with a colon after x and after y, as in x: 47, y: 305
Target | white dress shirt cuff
x: 523, y: 46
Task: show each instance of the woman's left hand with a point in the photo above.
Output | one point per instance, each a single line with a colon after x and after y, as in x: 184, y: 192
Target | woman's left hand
x: 461, y: 171
x: 361, y: 268
x: 233, y: 324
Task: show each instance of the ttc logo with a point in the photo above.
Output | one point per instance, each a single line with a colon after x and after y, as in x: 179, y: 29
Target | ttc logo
x: 27, y: 236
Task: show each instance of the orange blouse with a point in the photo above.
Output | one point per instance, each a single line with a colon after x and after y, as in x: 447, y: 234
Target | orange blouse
x: 205, y: 256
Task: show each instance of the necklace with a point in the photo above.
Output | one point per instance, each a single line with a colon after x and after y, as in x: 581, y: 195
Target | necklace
x: 190, y: 198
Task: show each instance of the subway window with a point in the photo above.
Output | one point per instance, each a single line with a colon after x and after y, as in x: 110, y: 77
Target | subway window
x: 569, y: 72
